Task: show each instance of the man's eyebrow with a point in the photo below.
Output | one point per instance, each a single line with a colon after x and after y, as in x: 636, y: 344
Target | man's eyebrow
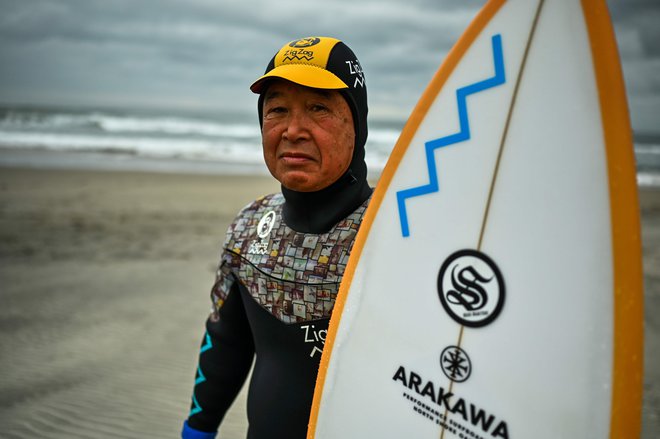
x: 322, y: 92
x: 326, y: 94
x: 272, y: 95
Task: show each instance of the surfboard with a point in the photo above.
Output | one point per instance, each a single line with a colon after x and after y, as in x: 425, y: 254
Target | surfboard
x: 495, y: 286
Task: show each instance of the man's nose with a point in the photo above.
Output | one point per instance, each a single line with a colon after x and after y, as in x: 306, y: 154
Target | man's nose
x: 298, y: 126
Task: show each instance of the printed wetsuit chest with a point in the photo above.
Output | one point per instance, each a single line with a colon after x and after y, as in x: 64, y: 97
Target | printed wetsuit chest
x: 294, y: 276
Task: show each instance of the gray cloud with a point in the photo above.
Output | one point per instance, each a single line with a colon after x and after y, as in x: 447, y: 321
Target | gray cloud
x: 204, y: 53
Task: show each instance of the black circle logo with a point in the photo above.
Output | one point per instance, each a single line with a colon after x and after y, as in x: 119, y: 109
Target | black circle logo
x: 471, y: 288
x: 305, y: 42
x: 455, y: 364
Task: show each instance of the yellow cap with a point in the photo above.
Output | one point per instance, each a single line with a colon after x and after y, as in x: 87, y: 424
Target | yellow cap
x: 309, y: 62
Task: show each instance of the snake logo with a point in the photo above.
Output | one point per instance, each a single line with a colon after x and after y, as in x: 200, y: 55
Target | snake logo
x: 471, y: 288
x: 468, y: 291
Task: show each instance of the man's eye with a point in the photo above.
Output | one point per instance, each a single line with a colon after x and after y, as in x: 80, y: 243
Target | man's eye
x: 319, y: 108
x: 275, y: 110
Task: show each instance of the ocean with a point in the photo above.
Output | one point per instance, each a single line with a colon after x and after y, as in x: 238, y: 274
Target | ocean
x: 174, y: 141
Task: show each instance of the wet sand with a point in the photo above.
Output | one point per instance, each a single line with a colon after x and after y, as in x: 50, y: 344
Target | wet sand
x: 104, y: 280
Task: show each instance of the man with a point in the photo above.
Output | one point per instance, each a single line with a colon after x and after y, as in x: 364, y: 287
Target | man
x: 285, y: 254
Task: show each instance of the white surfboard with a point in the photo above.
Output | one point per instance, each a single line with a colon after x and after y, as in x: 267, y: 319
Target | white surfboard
x: 494, y: 290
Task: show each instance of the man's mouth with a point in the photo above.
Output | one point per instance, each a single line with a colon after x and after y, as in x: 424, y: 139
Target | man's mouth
x: 295, y: 157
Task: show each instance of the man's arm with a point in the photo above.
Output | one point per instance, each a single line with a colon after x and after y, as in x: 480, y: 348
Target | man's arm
x: 224, y: 361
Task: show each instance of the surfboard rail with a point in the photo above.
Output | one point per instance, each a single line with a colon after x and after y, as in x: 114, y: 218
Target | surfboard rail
x: 628, y: 289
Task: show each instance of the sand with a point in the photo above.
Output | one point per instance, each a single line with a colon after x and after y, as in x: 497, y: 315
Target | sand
x: 104, y: 281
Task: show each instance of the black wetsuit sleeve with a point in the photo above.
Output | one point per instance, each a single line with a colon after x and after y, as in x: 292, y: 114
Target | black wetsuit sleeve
x: 225, y: 359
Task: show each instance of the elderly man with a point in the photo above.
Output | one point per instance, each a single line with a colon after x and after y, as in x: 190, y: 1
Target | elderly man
x: 285, y: 254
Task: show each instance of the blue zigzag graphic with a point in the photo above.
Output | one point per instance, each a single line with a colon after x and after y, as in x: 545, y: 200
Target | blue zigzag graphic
x: 207, y: 345
x: 200, y: 378
x: 462, y: 135
x: 196, y: 409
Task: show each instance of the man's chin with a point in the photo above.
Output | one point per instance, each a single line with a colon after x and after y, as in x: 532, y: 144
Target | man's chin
x: 300, y: 182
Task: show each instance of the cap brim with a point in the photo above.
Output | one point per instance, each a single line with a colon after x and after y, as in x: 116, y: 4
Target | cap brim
x: 302, y: 74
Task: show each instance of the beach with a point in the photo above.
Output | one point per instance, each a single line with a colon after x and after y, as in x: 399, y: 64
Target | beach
x: 105, y: 289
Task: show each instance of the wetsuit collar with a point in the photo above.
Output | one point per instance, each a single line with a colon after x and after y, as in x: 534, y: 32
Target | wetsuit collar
x: 317, y: 212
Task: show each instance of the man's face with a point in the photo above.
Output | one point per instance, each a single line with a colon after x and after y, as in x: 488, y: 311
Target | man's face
x: 307, y: 135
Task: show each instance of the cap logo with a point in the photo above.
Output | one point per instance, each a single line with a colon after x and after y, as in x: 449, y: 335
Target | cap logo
x: 298, y: 55
x: 311, y: 50
x: 355, y: 69
x: 301, y: 55
x: 305, y: 42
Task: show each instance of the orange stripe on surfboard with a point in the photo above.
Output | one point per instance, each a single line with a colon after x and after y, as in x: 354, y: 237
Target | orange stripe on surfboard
x: 409, y: 130
x: 627, y: 378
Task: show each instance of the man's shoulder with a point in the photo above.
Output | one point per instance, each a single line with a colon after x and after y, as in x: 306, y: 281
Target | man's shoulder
x: 261, y: 205
x: 246, y: 221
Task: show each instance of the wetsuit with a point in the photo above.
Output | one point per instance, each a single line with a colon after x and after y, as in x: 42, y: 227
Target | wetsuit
x: 282, y: 262
x: 280, y: 270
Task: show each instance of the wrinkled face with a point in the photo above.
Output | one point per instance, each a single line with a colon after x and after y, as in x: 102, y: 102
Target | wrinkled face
x: 308, y: 135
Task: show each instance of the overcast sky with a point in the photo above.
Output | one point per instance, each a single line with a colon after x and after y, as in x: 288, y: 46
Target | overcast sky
x: 203, y: 54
